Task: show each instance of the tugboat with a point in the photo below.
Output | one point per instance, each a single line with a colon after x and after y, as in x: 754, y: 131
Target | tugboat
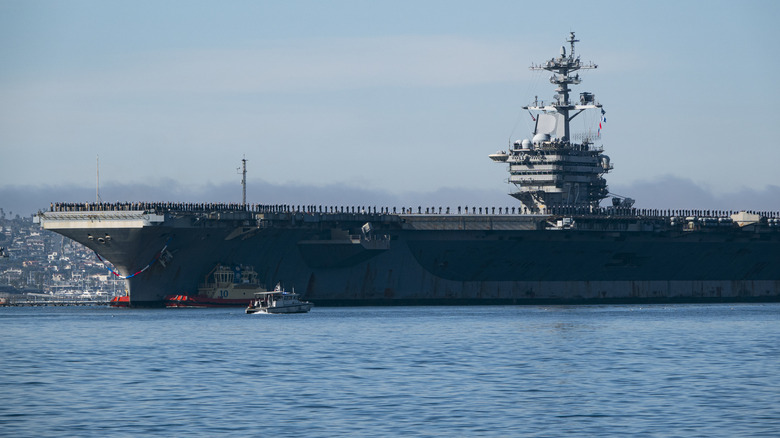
x: 229, y: 288
x: 120, y: 301
x: 278, y: 301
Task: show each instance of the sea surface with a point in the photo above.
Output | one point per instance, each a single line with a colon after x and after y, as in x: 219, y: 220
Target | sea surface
x: 675, y: 370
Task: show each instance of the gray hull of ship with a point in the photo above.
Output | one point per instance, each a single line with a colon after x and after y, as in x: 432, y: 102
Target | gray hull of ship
x: 447, y: 260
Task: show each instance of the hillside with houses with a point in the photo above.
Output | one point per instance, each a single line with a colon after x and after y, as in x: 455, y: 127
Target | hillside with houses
x: 40, y: 264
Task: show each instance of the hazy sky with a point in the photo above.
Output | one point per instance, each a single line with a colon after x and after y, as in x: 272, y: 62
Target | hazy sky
x: 398, y: 100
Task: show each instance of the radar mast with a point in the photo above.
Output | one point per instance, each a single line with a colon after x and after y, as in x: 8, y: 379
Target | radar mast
x: 563, y: 67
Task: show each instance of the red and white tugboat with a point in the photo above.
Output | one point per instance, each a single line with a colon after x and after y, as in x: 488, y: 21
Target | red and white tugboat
x: 228, y: 288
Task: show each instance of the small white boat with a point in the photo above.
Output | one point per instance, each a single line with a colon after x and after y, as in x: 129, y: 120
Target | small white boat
x: 278, y: 301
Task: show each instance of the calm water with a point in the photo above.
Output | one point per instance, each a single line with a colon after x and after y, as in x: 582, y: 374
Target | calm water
x: 683, y: 370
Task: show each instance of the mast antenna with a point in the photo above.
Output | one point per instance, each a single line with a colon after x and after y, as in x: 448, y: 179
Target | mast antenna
x: 571, y: 41
x: 97, y: 179
x: 243, y: 182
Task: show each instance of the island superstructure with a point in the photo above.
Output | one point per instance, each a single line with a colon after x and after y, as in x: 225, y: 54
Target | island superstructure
x: 551, y: 169
x: 558, y: 245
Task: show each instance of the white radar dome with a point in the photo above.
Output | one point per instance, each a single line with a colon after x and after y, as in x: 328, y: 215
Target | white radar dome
x: 538, y: 138
x: 526, y: 143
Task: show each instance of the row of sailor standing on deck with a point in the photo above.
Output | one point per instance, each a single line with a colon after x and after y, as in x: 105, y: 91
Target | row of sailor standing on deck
x: 142, y: 206
x: 648, y: 212
x: 311, y: 209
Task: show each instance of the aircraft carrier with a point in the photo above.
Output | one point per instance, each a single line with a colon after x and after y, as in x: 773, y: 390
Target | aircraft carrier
x: 556, y: 245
